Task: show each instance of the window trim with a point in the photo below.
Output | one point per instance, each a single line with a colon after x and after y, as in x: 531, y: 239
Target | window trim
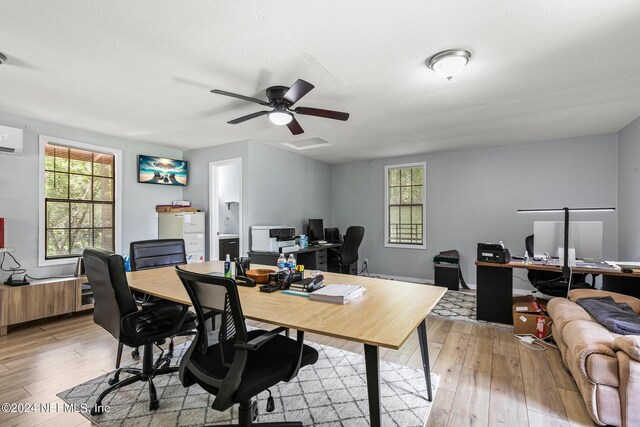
x: 43, y: 140
x: 387, y: 244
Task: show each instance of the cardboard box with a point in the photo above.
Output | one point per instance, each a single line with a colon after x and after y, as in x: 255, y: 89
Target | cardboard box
x: 171, y: 208
x: 530, y: 317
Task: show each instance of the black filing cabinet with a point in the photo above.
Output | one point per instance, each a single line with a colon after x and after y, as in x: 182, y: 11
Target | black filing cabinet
x: 229, y: 246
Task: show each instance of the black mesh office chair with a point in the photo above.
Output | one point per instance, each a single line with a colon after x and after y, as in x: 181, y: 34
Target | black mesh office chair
x: 345, y: 259
x: 550, y: 282
x: 116, y: 311
x: 243, y: 363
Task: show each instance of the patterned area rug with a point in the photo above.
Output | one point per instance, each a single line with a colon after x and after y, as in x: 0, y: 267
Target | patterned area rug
x: 331, y: 392
x: 460, y: 305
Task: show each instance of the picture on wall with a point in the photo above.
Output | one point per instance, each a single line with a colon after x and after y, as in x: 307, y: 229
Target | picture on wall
x: 158, y: 170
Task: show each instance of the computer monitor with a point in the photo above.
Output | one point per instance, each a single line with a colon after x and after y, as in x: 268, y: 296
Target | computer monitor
x: 315, y: 230
x: 584, y: 236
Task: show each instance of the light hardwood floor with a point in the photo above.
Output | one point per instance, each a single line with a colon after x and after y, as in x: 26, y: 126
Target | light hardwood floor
x: 486, y: 377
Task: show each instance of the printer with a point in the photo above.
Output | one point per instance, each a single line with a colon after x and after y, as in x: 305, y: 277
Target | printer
x: 270, y: 238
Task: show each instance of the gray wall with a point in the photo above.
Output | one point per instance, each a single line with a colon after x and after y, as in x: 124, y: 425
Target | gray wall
x: 473, y: 195
x: 198, y: 191
x: 629, y: 191
x: 286, y: 188
x: 279, y: 187
x: 19, y: 190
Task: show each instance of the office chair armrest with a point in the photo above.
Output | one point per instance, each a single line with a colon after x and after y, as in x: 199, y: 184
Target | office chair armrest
x: 300, y: 347
x: 261, y: 340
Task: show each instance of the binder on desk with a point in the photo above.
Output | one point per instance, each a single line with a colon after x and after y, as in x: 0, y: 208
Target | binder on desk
x: 337, y: 294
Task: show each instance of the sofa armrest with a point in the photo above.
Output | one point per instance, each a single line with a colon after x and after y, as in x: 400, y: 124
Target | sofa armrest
x: 629, y: 371
x: 630, y: 344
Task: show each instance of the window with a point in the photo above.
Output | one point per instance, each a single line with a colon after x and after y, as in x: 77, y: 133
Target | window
x: 404, y: 205
x: 79, y: 203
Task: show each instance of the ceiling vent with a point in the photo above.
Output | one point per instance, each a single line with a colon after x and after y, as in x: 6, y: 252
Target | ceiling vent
x: 306, y: 144
x: 10, y: 140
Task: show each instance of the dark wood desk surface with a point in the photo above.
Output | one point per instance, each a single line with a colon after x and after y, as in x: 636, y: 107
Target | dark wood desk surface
x: 301, y: 251
x: 537, y: 266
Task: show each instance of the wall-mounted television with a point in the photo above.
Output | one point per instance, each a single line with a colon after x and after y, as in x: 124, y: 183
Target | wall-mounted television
x: 158, y: 170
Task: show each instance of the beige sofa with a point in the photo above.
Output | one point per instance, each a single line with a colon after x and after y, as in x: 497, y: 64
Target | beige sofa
x: 605, y: 365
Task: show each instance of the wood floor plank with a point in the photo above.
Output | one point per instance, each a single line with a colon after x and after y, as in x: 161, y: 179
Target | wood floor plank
x: 450, y: 360
x: 471, y: 400
x: 540, y: 387
x: 438, y: 329
x: 504, y: 342
x: 508, y: 404
x: 537, y: 419
x: 561, y: 374
x: 465, y: 327
x: 441, y: 408
x: 480, y: 349
x: 576, y: 410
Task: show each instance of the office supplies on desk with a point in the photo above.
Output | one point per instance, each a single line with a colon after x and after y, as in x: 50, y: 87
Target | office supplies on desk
x: 243, y: 264
x: 260, y: 275
x: 245, y: 281
x: 297, y: 293
x: 493, y: 252
x: 337, y: 294
x: 269, y: 288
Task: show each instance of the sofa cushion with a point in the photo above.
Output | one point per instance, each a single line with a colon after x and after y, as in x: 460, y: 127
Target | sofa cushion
x: 563, y: 311
x: 603, y: 369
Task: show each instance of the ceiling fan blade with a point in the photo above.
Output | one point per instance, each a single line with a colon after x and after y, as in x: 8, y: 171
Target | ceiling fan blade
x: 247, y: 117
x: 327, y: 114
x: 235, y: 95
x: 299, y: 89
x: 295, y: 127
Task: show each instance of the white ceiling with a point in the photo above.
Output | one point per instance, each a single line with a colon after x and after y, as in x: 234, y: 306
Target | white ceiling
x: 143, y: 69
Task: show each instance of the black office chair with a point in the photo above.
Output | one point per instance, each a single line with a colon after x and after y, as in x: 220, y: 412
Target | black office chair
x: 345, y: 259
x: 156, y: 253
x: 116, y: 311
x: 242, y: 364
x: 332, y: 235
x: 550, y: 282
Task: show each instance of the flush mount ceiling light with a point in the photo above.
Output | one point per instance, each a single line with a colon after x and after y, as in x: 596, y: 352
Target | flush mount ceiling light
x: 280, y: 116
x: 449, y: 63
x: 3, y: 57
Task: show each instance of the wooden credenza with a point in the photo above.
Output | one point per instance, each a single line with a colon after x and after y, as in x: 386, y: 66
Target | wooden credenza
x: 41, y: 299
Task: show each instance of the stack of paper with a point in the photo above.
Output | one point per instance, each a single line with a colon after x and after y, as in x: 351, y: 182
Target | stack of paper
x: 337, y: 294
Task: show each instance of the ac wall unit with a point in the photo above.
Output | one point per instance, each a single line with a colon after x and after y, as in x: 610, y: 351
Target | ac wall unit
x: 10, y: 140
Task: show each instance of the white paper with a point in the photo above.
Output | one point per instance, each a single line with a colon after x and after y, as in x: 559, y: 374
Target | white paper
x: 187, y: 219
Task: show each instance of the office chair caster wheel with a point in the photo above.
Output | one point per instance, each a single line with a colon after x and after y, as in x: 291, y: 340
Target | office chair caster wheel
x: 254, y: 410
x: 114, y: 380
x: 135, y: 354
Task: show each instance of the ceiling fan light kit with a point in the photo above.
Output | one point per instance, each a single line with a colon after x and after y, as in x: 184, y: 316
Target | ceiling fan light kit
x: 449, y: 63
x: 281, y: 99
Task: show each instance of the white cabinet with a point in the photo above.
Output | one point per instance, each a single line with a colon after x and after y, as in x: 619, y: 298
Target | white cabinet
x: 184, y: 225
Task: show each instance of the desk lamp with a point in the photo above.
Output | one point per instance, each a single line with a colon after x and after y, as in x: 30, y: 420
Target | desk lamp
x: 566, y: 271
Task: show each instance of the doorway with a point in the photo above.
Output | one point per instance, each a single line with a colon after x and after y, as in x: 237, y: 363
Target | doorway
x: 226, y: 224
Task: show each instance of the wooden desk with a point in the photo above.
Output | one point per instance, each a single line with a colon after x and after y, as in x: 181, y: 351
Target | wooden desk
x: 313, y: 257
x: 385, y: 316
x: 495, y: 286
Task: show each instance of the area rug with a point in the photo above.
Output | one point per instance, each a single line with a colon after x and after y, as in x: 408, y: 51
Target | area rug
x: 460, y: 305
x: 332, y: 392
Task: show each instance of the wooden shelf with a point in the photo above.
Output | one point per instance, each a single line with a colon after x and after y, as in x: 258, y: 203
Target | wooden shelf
x: 41, y: 299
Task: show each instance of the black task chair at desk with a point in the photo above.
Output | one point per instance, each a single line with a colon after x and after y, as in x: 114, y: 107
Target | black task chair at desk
x: 345, y: 259
x: 551, y: 283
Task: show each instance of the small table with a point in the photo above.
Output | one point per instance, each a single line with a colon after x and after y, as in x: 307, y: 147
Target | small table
x: 385, y: 316
x: 495, y: 285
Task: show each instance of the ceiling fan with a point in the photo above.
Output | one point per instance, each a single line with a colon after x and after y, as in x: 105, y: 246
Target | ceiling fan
x: 281, y: 100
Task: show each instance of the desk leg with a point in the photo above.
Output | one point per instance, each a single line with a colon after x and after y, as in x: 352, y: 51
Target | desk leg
x: 424, y: 350
x: 494, y: 293
x: 372, y: 362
